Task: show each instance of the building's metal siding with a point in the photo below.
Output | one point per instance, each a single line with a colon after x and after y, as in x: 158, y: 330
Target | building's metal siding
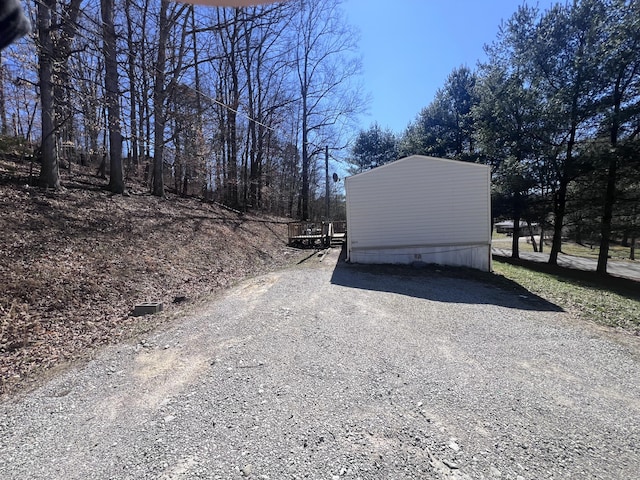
x: 416, y: 206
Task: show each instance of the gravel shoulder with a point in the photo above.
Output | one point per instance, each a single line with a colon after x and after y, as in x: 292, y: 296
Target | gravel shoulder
x: 327, y: 371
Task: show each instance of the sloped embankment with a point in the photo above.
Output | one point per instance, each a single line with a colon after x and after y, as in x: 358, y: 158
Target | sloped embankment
x: 73, y: 264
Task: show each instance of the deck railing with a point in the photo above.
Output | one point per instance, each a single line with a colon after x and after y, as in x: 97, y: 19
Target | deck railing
x: 339, y: 227
x: 309, y: 233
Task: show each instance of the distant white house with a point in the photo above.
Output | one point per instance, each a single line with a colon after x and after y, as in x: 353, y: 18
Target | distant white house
x: 420, y: 209
x: 506, y: 226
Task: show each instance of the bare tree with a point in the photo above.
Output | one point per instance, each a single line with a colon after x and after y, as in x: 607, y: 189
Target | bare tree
x: 54, y: 50
x: 265, y: 63
x: 168, y: 18
x: 132, y: 50
x: 112, y: 92
x: 49, y: 174
x: 159, y: 94
x: 4, y: 126
x: 325, y: 66
x: 229, y: 30
x: 89, y: 71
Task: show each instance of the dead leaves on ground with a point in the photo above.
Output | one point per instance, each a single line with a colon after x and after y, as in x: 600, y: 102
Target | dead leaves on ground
x: 73, y: 265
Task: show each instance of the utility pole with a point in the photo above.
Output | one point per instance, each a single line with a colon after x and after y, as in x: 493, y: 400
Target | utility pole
x: 326, y: 179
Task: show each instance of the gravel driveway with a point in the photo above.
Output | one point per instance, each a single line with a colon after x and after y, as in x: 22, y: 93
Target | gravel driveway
x: 328, y: 372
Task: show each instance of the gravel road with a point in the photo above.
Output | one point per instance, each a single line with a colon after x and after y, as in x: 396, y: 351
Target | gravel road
x: 331, y: 371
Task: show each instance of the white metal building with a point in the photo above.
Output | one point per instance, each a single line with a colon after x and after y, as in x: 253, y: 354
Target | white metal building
x: 420, y: 209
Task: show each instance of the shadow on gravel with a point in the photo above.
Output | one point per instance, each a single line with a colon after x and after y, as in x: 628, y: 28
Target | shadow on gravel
x: 440, y: 283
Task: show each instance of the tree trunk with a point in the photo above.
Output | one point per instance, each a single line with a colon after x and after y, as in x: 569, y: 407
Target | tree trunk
x: 159, y: 93
x: 232, y: 166
x: 304, y: 213
x: 612, y: 174
x: 144, y: 108
x: 559, y: 211
x: 102, y: 168
x: 541, y: 245
x: 4, y: 126
x: 560, y: 203
x: 197, y: 163
x: 116, y: 180
x: 251, y: 182
x: 133, y: 114
x: 49, y: 173
x: 66, y: 24
x: 607, y: 216
x: 515, y: 241
x: 532, y: 236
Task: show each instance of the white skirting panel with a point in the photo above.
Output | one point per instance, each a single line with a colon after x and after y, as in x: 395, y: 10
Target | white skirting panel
x: 473, y: 256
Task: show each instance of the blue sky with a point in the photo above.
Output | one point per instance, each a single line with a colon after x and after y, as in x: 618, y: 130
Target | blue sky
x: 409, y: 47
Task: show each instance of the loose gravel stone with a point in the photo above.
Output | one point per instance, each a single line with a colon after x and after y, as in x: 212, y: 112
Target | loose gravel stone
x: 329, y: 370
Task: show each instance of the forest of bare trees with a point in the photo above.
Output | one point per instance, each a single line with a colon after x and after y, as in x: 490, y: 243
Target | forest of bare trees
x: 236, y: 105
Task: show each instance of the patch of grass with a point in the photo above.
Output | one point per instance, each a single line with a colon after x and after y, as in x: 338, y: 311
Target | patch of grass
x: 616, y: 252
x: 589, y: 299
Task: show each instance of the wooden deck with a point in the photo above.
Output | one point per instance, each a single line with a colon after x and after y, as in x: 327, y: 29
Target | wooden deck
x: 315, y: 234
